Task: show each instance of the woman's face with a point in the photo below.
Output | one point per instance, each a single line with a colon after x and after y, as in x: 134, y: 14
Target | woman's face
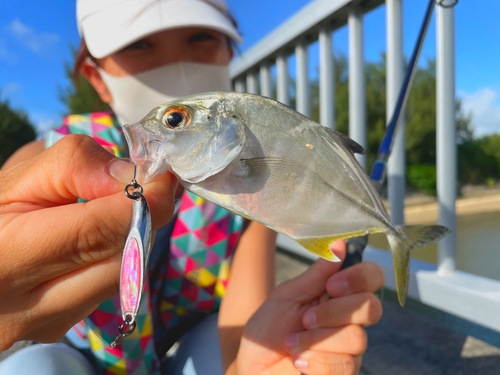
x: 187, y: 44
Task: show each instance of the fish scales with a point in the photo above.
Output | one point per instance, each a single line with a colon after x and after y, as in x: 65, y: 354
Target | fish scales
x: 294, y: 131
x: 279, y: 211
x: 268, y: 163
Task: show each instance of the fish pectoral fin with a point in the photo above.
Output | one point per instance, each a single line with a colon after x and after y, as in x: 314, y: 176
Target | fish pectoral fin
x: 277, y: 169
x: 351, y: 145
x: 321, y: 245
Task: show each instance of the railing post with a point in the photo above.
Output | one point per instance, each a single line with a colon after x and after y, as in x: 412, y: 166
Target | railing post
x: 303, y: 99
x: 282, y: 79
x: 357, y: 95
x: 252, y: 83
x: 326, y: 79
x: 239, y: 85
x: 446, y: 136
x: 397, y: 161
x: 266, y: 88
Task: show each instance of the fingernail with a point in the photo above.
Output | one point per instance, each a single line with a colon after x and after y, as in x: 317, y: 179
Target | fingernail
x: 338, y: 288
x: 310, y: 320
x: 121, y: 170
x: 300, y: 363
x: 292, y: 341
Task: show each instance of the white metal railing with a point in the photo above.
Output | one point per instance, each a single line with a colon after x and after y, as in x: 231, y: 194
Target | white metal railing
x: 442, y: 287
x: 395, y: 73
x: 446, y: 135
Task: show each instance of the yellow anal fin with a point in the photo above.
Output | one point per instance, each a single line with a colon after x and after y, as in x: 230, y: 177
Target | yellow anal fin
x: 321, y: 245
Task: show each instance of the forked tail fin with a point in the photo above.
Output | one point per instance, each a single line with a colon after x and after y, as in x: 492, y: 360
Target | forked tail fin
x: 404, y: 239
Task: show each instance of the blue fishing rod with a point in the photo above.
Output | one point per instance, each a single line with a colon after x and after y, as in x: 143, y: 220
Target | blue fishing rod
x: 356, y: 245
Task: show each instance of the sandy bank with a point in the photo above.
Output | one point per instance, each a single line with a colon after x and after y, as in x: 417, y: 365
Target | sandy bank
x: 428, y: 212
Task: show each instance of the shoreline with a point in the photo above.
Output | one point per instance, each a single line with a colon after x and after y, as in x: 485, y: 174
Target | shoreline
x: 427, y: 213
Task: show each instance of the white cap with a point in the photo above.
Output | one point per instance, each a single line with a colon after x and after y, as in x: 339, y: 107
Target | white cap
x: 110, y: 25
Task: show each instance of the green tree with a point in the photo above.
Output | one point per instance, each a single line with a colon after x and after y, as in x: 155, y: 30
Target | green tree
x: 15, y: 130
x: 479, y: 159
x: 78, y: 95
x: 476, y: 164
x: 420, y: 134
x: 491, y: 146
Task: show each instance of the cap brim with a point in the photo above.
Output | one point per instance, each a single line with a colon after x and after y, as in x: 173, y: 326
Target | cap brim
x: 114, y: 28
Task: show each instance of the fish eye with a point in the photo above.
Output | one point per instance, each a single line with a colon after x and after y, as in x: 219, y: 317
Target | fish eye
x: 176, y: 117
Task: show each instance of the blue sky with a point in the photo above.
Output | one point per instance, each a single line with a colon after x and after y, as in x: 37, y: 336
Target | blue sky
x: 35, y: 37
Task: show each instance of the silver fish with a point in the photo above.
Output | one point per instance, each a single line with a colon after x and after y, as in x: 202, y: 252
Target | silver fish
x: 264, y: 161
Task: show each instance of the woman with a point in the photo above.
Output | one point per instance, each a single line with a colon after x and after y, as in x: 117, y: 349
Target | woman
x: 137, y: 58
x: 137, y: 55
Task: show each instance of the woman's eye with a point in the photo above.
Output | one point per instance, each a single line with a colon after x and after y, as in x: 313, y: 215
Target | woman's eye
x: 140, y: 44
x: 201, y: 37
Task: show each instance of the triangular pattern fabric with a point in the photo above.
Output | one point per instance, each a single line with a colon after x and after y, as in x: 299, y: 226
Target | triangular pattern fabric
x: 102, y: 125
x: 192, y: 280
x: 204, y: 250
x: 80, y: 128
x: 212, y: 258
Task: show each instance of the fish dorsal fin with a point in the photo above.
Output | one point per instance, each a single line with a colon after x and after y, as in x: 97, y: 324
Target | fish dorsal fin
x: 351, y: 145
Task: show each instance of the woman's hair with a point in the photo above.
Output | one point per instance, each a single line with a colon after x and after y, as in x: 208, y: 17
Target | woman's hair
x: 84, y: 54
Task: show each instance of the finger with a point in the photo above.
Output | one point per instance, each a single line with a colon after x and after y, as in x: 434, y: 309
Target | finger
x: 53, y: 302
x: 362, y: 308
x: 312, y: 283
x: 82, y: 289
x: 57, y: 240
x: 313, y: 362
x: 350, y: 339
x: 75, y: 167
x: 56, y: 330
x: 362, y: 277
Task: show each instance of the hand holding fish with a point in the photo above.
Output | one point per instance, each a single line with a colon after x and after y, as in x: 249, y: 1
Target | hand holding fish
x: 60, y: 258
x: 299, y: 329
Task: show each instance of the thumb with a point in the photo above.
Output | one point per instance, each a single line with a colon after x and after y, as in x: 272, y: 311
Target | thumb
x: 75, y: 167
x: 78, y: 167
x: 311, y: 284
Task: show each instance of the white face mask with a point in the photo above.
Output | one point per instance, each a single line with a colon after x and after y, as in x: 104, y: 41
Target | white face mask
x: 136, y: 95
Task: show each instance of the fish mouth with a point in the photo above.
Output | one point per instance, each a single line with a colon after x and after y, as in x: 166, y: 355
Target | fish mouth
x: 143, y: 148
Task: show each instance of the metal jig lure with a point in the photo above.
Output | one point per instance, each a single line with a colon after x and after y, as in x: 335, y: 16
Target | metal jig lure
x: 134, y: 261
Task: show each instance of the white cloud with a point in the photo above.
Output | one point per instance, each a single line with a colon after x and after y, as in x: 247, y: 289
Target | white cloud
x: 484, y: 106
x: 18, y: 28
x: 10, y: 88
x: 45, y: 121
x: 37, y: 42
x: 6, y: 55
x: 13, y: 92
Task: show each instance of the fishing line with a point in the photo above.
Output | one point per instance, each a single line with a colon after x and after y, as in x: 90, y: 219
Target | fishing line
x: 356, y: 245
